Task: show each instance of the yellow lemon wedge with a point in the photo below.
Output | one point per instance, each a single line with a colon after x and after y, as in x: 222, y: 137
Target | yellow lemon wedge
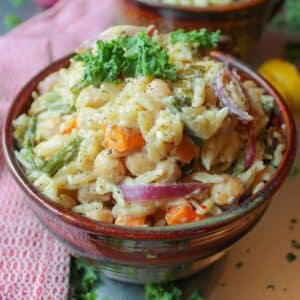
x: 285, y: 78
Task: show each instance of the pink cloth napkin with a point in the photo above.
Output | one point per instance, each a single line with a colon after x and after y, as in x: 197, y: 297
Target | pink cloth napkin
x: 33, y: 264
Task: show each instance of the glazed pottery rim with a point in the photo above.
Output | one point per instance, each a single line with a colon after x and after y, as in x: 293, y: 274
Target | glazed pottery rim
x: 196, y: 9
x: 155, y: 232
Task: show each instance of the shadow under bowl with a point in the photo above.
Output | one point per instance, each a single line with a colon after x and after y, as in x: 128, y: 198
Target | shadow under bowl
x: 151, y: 254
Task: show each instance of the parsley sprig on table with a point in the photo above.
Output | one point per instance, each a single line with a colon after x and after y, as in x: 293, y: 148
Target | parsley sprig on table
x: 201, y: 38
x: 126, y: 56
x: 84, y: 279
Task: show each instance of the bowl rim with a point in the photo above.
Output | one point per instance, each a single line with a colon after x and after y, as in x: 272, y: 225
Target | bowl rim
x: 244, y: 5
x: 189, y: 230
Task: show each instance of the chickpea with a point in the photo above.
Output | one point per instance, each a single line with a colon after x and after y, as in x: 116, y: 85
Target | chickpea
x: 228, y: 191
x: 158, y: 89
x: 139, y: 163
x: 111, y: 169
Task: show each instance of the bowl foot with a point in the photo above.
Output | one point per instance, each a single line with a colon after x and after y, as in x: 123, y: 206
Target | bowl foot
x: 144, y: 274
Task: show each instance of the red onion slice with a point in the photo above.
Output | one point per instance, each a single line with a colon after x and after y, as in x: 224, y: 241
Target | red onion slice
x: 220, y: 89
x: 250, y: 151
x: 152, y: 192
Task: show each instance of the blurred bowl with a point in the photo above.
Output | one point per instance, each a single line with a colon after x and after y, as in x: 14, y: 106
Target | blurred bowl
x: 156, y: 253
x: 243, y: 22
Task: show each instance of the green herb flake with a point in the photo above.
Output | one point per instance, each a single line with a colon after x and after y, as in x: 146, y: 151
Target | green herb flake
x: 163, y: 291
x: 17, y: 3
x: 201, y: 38
x: 271, y: 286
x: 239, y: 265
x: 11, y: 20
x: 223, y: 284
x: 195, y: 296
x: 295, y: 244
x: 293, y: 221
x: 291, y: 257
x: 267, y: 106
x: 294, y: 170
x: 126, y: 56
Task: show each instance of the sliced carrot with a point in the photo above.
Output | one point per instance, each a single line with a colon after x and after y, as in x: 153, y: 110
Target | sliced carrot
x: 186, y: 150
x: 182, y: 214
x: 123, y: 139
x: 131, y: 221
x: 72, y: 124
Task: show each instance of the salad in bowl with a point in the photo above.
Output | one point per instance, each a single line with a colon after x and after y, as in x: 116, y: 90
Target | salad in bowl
x: 147, y: 129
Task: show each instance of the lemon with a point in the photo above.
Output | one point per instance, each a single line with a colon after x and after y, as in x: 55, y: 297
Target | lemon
x: 285, y: 78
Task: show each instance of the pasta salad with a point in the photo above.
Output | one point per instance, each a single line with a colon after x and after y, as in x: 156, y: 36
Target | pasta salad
x: 146, y: 129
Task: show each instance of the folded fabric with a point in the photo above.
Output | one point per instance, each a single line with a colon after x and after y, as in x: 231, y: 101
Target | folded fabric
x: 33, y: 264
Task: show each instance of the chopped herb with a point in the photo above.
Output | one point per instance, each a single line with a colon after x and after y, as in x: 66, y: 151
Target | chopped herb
x: 294, y: 170
x: 62, y: 157
x: 201, y: 38
x: 163, y: 291
x: 84, y: 279
x: 126, y: 56
x: 239, y: 265
x: 195, y: 296
x: 239, y: 166
x: 223, y: 284
x: 11, y: 20
x: 196, y: 140
x: 295, y: 244
x: 179, y: 101
x: 294, y: 221
x: 291, y: 257
x: 17, y: 3
x: 267, y: 106
x: 271, y: 287
x: 187, y: 169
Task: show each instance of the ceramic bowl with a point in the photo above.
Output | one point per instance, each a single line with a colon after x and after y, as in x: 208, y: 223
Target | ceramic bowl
x: 156, y: 253
x: 243, y: 22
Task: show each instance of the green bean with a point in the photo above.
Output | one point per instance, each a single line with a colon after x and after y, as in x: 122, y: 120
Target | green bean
x: 64, y: 156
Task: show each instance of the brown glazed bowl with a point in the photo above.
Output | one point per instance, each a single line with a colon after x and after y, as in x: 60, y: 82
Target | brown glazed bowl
x: 243, y: 22
x: 156, y: 253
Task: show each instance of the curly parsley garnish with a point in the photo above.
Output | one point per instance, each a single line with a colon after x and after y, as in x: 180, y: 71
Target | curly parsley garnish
x: 126, y: 56
x: 84, y: 279
x: 291, y: 257
x: 201, y: 38
x: 162, y: 291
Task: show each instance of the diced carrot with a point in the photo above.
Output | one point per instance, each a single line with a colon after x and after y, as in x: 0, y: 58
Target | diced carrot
x: 182, y: 214
x: 123, y: 139
x: 186, y: 150
x: 72, y: 124
x: 131, y: 221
